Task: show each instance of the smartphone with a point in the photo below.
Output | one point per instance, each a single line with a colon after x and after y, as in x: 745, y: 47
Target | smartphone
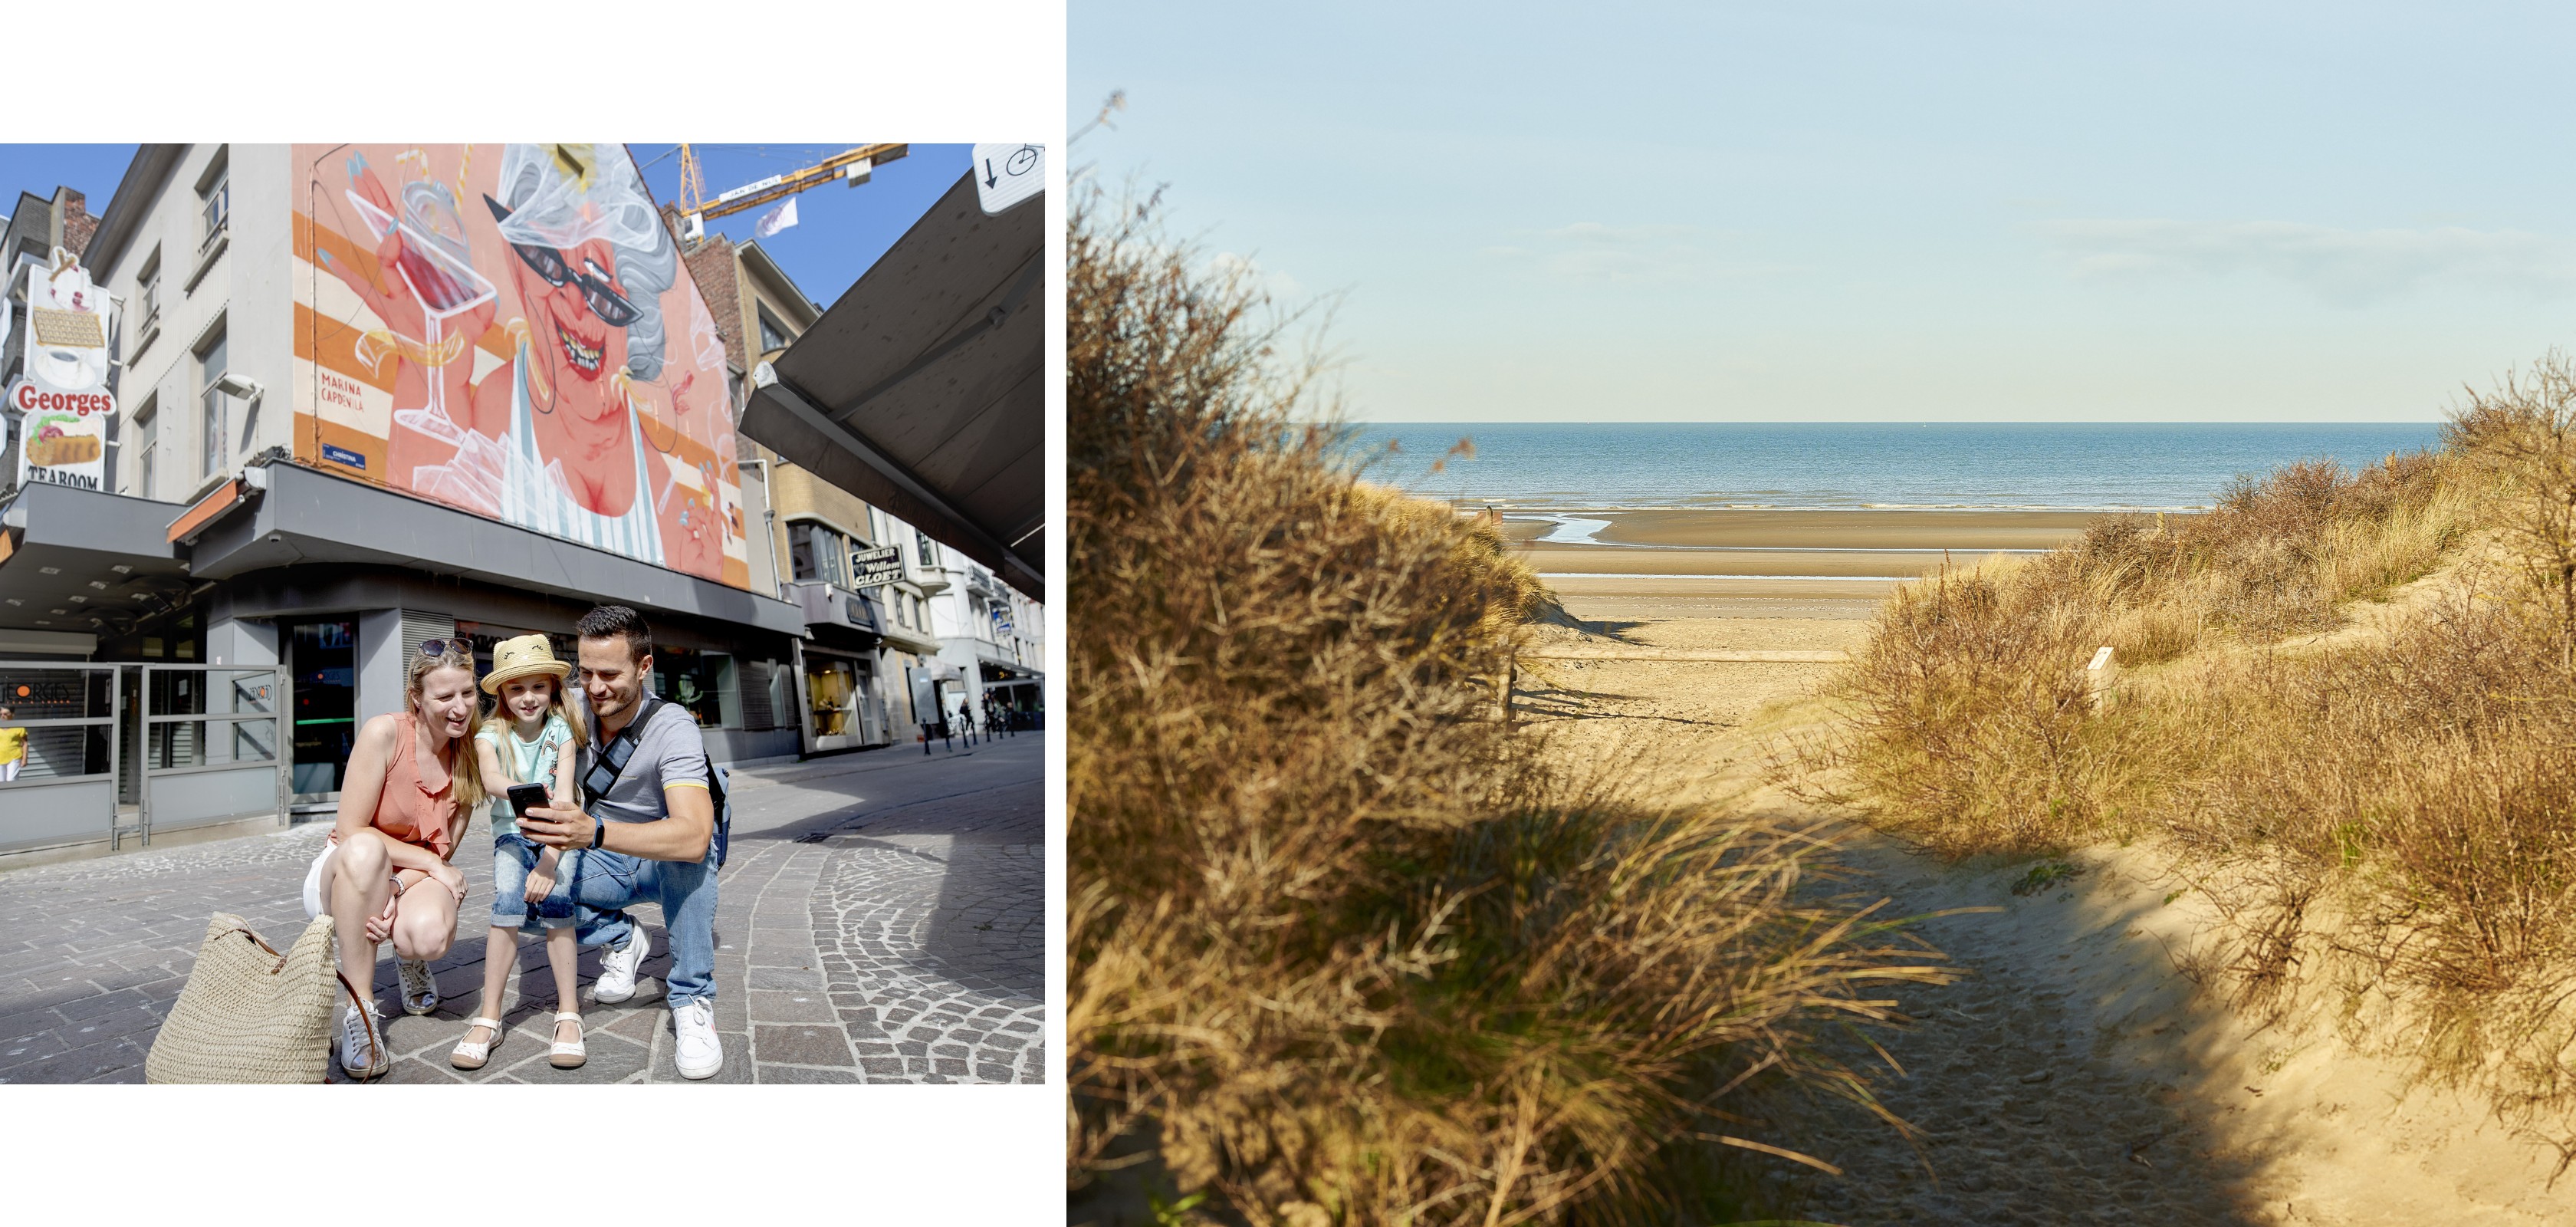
x: 525, y: 797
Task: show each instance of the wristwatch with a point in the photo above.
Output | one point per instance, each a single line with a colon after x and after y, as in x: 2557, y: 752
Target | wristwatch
x: 598, y: 832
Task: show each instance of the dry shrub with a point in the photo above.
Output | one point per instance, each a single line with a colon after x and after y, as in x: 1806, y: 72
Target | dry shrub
x: 2414, y: 787
x: 1972, y: 730
x: 1339, y: 949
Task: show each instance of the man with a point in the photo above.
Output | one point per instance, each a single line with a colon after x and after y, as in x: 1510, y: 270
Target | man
x: 643, y: 831
x: 13, y: 748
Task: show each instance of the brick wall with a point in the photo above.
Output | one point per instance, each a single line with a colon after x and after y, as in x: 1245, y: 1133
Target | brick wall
x: 712, y: 267
x: 78, y: 225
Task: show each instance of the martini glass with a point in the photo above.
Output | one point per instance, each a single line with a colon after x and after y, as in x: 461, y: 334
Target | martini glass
x: 446, y: 286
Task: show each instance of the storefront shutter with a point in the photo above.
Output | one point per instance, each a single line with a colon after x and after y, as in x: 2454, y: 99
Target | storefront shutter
x: 757, y: 715
x: 419, y: 627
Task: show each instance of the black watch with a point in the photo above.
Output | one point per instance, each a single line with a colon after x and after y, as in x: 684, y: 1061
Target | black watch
x: 598, y: 832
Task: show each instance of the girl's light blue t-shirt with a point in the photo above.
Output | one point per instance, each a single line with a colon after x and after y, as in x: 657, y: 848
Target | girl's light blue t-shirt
x: 534, y: 763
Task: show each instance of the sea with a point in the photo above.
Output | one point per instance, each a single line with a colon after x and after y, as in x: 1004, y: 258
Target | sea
x: 1543, y: 466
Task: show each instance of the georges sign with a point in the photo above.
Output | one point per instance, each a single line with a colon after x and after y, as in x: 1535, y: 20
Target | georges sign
x: 62, y: 403
x: 62, y: 436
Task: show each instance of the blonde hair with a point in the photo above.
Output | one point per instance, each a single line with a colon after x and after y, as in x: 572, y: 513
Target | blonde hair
x: 465, y: 771
x: 560, y: 706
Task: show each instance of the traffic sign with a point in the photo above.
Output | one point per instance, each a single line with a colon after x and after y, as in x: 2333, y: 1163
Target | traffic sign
x: 1005, y: 175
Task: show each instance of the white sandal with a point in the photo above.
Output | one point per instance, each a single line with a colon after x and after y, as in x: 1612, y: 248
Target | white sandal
x: 568, y: 1056
x: 471, y: 1055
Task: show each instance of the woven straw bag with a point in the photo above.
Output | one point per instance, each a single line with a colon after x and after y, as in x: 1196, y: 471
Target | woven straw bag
x: 250, y: 1014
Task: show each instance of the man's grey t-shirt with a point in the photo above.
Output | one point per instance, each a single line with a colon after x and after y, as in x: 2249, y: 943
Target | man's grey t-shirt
x: 668, y: 751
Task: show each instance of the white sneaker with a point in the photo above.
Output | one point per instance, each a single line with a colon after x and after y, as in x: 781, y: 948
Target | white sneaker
x: 699, y: 1053
x: 362, y: 1054
x: 617, y: 968
x: 419, y: 988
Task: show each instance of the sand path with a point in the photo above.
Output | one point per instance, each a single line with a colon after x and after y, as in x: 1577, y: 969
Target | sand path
x: 2076, y: 1076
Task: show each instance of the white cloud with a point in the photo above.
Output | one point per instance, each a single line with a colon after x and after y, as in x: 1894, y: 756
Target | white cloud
x: 1590, y: 251
x: 2352, y: 267
x: 1278, y: 285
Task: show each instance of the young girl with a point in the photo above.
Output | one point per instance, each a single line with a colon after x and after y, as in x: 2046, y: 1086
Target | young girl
x: 528, y: 739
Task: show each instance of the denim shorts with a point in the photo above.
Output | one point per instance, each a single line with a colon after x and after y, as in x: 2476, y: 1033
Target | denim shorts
x: 513, y: 859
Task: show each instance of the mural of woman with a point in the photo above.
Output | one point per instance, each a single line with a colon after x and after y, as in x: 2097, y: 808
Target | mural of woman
x: 592, y: 260
x: 578, y: 432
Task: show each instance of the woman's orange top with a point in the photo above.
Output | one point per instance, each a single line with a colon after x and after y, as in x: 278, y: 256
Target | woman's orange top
x: 418, y: 803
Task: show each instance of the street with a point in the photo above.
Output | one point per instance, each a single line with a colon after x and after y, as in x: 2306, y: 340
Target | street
x: 881, y: 919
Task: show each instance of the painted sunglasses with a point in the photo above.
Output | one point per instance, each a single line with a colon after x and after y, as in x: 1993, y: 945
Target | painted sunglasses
x: 597, y: 293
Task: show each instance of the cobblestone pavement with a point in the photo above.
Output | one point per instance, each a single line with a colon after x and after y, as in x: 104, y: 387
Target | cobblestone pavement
x: 882, y: 919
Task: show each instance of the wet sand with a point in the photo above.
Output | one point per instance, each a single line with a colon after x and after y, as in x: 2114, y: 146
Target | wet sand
x: 1856, y: 529
x: 1726, y: 563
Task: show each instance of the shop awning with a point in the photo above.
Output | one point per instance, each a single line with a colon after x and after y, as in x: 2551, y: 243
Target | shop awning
x: 921, y: 390
x: 307, y: 516
x: 86, y: 561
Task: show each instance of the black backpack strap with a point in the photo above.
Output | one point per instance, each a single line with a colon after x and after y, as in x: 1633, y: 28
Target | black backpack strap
x: 632, y: 733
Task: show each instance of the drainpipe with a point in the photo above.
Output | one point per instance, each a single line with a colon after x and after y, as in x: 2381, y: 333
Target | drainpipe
x: 768, y: 525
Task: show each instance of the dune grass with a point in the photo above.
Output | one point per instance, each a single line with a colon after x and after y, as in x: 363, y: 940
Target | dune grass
x: 2394, y: 805
x: 1341, y: 947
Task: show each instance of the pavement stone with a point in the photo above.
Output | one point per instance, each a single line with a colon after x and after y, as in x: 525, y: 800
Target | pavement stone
x: 882, y: 920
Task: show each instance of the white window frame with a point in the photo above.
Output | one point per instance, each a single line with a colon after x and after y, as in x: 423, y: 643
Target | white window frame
x: 769, y: 326
x: 147, y: 296
x: 215, y: 208
x: 214, y: 409
x: 146, y: 423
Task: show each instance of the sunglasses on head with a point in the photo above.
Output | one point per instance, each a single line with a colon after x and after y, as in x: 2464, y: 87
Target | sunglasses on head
x: 611, y: 307
x: 438, y: 647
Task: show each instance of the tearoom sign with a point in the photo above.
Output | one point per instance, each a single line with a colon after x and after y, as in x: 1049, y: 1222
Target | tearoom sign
x: 61, y: 403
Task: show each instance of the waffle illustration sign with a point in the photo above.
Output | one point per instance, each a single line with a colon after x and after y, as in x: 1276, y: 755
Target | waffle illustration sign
x: 61, y: 403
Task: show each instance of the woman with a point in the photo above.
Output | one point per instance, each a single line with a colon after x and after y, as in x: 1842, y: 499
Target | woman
x: 411, y: 787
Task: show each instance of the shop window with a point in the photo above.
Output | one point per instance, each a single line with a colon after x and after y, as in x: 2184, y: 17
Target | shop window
x: 323, y: 657
x: 703, y: 682
x: 832, y: 695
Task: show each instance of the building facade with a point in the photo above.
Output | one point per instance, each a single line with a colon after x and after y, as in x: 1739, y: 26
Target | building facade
x: 368, y: 396
x: 893, y: 645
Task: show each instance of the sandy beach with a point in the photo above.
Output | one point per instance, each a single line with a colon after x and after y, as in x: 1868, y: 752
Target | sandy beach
x: 2076, y: 1075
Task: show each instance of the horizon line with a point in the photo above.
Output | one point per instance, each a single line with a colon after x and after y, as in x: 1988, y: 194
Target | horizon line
x: 1882, y: 422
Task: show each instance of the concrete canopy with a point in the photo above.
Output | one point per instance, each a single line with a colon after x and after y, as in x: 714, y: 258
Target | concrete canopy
x: 87, y: 561
x: 920, y: 389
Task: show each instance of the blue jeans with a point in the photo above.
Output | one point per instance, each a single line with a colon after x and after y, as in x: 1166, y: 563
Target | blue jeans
x: 610, y: 882
x: 513, y: 859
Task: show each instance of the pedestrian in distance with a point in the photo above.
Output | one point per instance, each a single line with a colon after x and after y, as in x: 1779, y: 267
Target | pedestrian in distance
x: 411, y: 787
x: 645, y: 818
x: 531, y: 737
x: 13, y: 747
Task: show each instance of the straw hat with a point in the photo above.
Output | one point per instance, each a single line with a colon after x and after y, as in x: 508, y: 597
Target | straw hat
x: 527, y: 654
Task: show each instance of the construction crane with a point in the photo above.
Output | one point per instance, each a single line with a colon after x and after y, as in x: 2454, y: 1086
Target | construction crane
x: 850, y: 166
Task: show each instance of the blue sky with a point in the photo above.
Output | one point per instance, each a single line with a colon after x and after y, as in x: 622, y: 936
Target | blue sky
x: 840, y: 231
x: 1870, y: 211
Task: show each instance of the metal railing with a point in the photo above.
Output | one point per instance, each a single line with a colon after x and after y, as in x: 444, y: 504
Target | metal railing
x: 61, y: 786
x: 222, y: 727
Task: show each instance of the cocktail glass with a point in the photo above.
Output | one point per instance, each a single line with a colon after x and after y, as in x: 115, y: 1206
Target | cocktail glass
x: 446, y: 287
